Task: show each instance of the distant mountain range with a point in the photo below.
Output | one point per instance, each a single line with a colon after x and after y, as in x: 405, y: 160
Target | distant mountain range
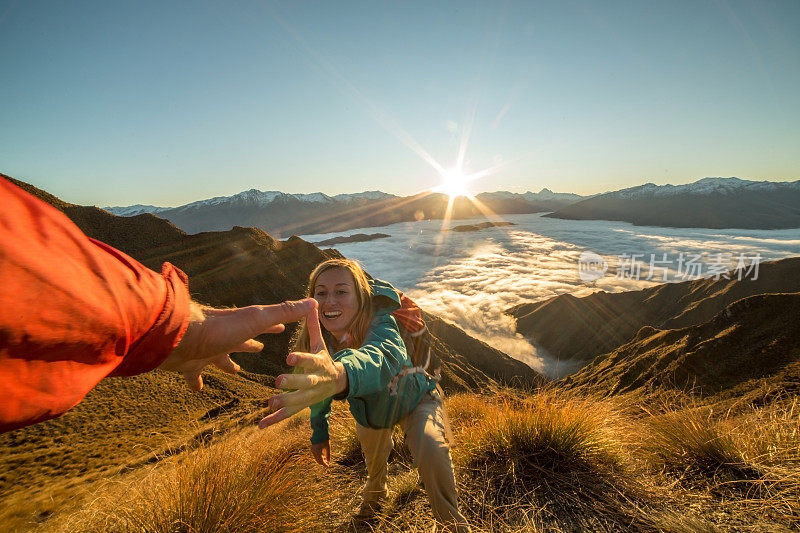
x: 253, y: 197
x: 707, y: 203
x: 282, y: 214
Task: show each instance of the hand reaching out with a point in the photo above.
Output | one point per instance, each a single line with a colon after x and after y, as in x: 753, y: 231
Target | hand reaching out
x: 214, y: 333
x: 322, y: 452
x: 322, y: 379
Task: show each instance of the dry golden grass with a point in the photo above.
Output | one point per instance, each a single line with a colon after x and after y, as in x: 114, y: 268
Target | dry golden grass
x: 744, y: 465
x: 692, y: 442
x: 544, y: 461
x: 253, y: 481
x: 550, y: 460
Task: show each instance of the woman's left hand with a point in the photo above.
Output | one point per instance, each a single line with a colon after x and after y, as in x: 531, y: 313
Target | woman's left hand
x: 322, y: 379
x: 322, y: 453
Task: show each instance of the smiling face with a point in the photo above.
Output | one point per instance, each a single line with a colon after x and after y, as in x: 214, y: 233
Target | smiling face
x: 338, y: 301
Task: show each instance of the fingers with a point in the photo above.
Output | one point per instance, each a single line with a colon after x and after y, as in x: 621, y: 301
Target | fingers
x: 296, y: 381
x: 326, y: 455
x: 292, y: 311
x: 250, y: 346
x: 224, y: 363
x: 273, y: 418
x: 286, y: 405
x: 296, y: 400
x: 232, y: 327
x: 281, y: 414
x: 322, y: 456
x: 289, y: 403
x: 314, y: 331
x: 303, y: 360
x: 193, y: 379
x: 317, y: 455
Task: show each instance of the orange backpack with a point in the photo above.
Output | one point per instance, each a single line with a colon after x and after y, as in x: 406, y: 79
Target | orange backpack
x: 417, y: 338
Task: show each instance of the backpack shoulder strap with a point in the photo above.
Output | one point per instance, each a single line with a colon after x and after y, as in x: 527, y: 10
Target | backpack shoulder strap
x: 416, y: 336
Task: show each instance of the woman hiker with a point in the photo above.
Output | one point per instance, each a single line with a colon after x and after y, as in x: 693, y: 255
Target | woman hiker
x: 371, y: 368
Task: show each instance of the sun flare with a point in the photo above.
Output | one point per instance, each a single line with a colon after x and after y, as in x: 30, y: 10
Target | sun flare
x: 454, y: 183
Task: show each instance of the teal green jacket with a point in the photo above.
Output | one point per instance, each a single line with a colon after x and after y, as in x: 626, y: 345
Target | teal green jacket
x: 371, y: 370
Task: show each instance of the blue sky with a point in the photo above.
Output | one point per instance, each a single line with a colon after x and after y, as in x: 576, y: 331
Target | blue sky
x: 113, y: 103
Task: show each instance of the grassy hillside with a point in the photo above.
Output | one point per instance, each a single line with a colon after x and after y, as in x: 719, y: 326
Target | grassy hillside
x: 549, y: 461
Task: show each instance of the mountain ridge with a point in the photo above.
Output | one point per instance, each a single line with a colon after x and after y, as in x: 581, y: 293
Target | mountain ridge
x: 750, y: 342
x: 283, y: 214
x: 581, y: 329
x: 706, y: 203
x: 263, y: 198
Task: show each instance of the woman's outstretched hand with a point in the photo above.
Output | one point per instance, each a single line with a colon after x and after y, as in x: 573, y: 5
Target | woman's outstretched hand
x: 322, y: 379
x: 322, y: 452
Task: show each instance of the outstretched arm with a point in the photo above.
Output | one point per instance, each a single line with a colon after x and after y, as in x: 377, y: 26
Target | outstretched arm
x: 213, y: 334
x: 322, y: 379
x: 74, y: 310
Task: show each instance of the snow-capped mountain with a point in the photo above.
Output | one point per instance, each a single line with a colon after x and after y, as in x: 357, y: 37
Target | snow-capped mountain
x: 282, y: 214
x: 545, y: 195
x: 133, y: 210
x: 257, y: 198
x: 706, y: 203
x: 366, y: 195
x: 705, y: 186
x: 250, y: 198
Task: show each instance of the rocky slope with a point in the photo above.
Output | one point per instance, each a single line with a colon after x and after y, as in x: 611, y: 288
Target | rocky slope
x: 707, y: 203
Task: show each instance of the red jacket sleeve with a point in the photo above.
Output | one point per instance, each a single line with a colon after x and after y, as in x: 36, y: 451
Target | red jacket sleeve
x: 73, y: 311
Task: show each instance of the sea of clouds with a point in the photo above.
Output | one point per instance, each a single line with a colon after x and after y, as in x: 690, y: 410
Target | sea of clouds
x: 471, y: 278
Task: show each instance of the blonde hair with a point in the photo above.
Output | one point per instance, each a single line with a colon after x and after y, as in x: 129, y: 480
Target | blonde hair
x: 357, y: 329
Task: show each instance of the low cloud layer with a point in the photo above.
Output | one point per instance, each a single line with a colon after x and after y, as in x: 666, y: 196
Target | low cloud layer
x: 471, y: 278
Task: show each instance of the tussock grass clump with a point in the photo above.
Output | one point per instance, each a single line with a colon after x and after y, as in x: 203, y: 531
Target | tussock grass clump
x: 750, y: 460
x: 547, y: 433
x: 769, y: 437
x: 254, y: 483
x: 349, y: 448
x: 551, y: 460
x: 691, y: 441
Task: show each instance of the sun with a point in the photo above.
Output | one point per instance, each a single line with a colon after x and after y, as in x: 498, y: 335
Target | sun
x: 454, y: 183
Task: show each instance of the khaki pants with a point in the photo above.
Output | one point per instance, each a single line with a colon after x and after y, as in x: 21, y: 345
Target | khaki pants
x: 425, y: 430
